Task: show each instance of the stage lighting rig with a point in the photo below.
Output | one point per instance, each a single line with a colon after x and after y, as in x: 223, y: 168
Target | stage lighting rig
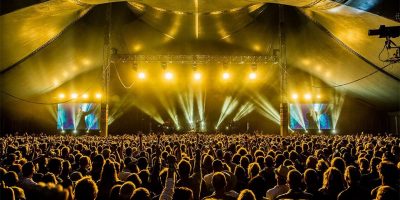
x: 388, y: 32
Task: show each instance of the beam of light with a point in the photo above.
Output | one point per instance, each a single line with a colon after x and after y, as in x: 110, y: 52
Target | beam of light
x: 196, y: 17
x: 337, y: 104
x: 244, y: 110
x: 227, y: 108
x: 265, y: 108
x: 74, y: 117
x: 126, y: 102
x: 170, y: 108
x: 53, y: 110
x: 174, y: 116
x: 186, y: 101
x: 317, y: 108
x: 296, y: 113
x: 84, y: 107
x: 201, y: 103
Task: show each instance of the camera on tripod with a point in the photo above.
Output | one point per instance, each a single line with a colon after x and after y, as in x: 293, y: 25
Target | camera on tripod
x: 384, y: 32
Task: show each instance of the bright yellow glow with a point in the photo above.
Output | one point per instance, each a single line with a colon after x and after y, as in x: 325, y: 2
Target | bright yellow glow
x: 74, y: 95
x: 307, y: 96
x: 197, y: 76
x: 226, y: 75
x: 86, y: 62
x: 85, y: 96
x: 318, y: 96
x: 168, y: 75
x: 295, y: 96
x: 61, y: 96
x: 141, y: 75
x: 98, y: 96
x: 252, y: 75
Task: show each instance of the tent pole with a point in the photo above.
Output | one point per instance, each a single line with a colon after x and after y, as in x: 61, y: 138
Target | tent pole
x: 283, y: 74
x: 106, y: 73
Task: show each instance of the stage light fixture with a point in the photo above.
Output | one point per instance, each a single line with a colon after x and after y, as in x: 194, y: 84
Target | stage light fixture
x: 61, y: 96
x: 98, y: 95
x: 307, y: 96
x: 75, y: 131
x: 141, y: 75
x: 334, y: 131
x: 85, y: 96
x: 87, y: 131
x: 197, y: 76
x: 168, y: 75
x: 319, y: 131
x: 74, y: 95
x: 252, y: 76
x: 226, y: 75
x: 63, y: 131
x: 295, y: 96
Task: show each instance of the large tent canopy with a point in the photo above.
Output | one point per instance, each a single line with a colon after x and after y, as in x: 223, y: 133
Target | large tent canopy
x: 49, y: 44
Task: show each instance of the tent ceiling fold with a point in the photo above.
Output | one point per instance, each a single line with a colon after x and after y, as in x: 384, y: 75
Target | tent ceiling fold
x: 25, y: 31
x: 312, y: 50
x: 351, y: 27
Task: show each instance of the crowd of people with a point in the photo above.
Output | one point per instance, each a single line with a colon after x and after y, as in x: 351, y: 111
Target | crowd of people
x: 199, y: 167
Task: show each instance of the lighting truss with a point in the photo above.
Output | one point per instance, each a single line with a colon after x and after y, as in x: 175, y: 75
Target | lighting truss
x: 190, y: 59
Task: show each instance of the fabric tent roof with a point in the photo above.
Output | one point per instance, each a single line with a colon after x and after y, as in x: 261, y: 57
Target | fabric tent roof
x: 328, y: 39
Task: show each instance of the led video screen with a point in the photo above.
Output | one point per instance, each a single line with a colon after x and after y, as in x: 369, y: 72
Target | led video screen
x: 310, y: 116
x: 78, y: 116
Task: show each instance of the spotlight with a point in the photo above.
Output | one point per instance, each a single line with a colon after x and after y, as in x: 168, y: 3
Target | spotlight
x: 306, y: 131
x: 85, y: 96
x: 334, y: 131
x: 295, y: 96
x: 141, y: 75
x: 98, y: 95
x: 61, y: 96
x: 318, y: 96
x: 75, y: 131
x: 87, y: 131
x: 226, y: 75
x: 74, y: 95
x: 197, y: 76
x: 63, y: 131
x: 168, y: 75
x: 252, y: 76
x: 307, y: 96
x: 319, y: 131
